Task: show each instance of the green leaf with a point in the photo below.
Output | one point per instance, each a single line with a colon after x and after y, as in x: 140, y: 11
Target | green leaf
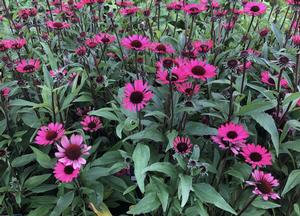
x: 141, y: 157
x: 207, y: 194
x: 105, y: 113
x: 149, y: 203
x: 263, y: 204
x: 256, y: 107
x: 292, y: 145
x: 40, y: 211
x: 278, y: 34
x: 199, y: 129
x: 293, y: 181
x: 22, y: 160
x: 35, y: 181
x: 184, y: 188
x: 268, y: 123
x: 21, y: 102
x: 291, y: 98
x: 108, y: 158
x: 148, y: 133
x: 3, y: 125
x: 63, y: 203
x: 43, y: 159
x: 163, y: 167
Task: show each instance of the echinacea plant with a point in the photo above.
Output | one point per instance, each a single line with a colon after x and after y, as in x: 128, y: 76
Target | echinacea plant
x: 150, y: 107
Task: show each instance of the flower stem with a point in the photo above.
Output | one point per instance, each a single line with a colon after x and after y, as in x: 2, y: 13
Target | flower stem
x: 247, y: 205
x: 244, y: 75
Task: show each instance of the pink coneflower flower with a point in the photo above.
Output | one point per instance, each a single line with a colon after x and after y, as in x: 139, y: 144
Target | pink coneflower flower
x: 59, y: 72
x: 194, y: 9
x: 264, y: 183
x: 129, y: 11
x: 295, y: 3
x: 49, y: 134
x: 124, y: 3
x: 175, y: 5
x: 167, y: 63
x: 255, y: 8
x: 232, y: 132
x: 58, y: 25
x: 203, y: 47
x: 70, y: 152
x: 91, y: 123
x: 81, y: 51
x: 18, y: 43
x: 234, y: 147
x: 65, y: 173
x: 256, y: 155
x: 182, y: 145
x: 28, y: 66
x: 135, y: 42
x: 178, y: 75
x: 5, y: 91
x: 200, y: 70
x: 136, y: 95
x: 264, y: 32
x: 161, y: 48
x: 5, y: 45
x: 188, y: 88
x: 105, y: 38
x: 91, y: 42
x: 296, y: 40
x: 213, y: 4
x: 267, y: 79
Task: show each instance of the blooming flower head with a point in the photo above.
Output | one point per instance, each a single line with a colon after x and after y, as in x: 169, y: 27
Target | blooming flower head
x: 129, y: 11
x: 182, y: 145
x: 18, y: 43
x: 5, y: 45
x: 28, y: 66
x: 167, y: 63
x: 188, y: 88
x: 91, y: 42
x: 91, y: 123
x: 234, y: 147
x: 81, y: 51
x: 161, y: 48
x: 194, y: 9
x: 255, y: 8
x: 267, y: 79
x: 256, y: 155
x: 65, y: 173
x: 203, y: 47
x: 105, y: 38
x: 70, y: 151
x: 59, y: 72
x: 175, y: 5
x: 136, y: 95
x: 57, y: 25
x: 5, y: 91
x: 296, y: 40
x: 135, y: 42
x: 124, y: 3
x: 201, y: 70
x: 264, y: 183
x: 176, y: 75
x: 49, y: 134
x: 232, y: 133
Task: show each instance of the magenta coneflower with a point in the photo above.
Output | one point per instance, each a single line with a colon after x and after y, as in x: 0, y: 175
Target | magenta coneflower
x: 49, y: 134
x: 105, y: 38
x: 182, y: 145
x: 60, y: 72
x: 267, y: 79
x: 65, y: 173
x: 18, y: 43
x: 129, y: 11
x: 234, y: 147
x: 136, y: 95
x: 167, y: 63
x: 203, y: 47
x: 232, y: 132
x: 5, y: 45
x: 255, y: 8
x: 124, y: 3
x: 178, y: 75
x: 175, y: 5
x: 296, y: 40
x: 161, y: 48
x: 91, y: 42
x: 264, y: 183
x: 135, y: 42
x: 70, y: 152
x: 81, y: 51
x: 194, y: 9
x: 57, y: 25
x: 28, y: 66
x: 256, y: 155
x: 91, y: 123
x: 5, y: 91
x: 200, y: 70
x: 188, y: 88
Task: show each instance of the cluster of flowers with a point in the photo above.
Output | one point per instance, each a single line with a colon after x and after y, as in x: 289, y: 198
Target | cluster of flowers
x: 70, y: 151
